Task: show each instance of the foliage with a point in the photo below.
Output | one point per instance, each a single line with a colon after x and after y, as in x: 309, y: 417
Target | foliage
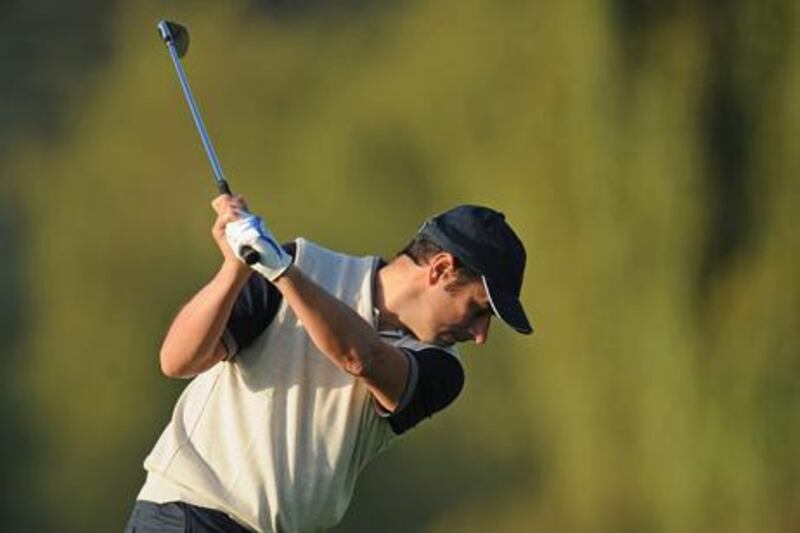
x: 644, y: 154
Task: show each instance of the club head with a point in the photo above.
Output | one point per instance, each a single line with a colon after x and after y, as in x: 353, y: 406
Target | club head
x: 172, y: 32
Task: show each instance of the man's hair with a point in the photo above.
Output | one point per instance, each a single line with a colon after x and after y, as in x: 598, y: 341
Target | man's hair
x: 421, y: 249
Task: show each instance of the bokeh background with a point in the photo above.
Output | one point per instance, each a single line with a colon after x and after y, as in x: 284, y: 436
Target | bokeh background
x: 646, y: 152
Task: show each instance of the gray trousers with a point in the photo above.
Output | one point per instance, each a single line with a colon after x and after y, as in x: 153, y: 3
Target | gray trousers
x: 179, y: 517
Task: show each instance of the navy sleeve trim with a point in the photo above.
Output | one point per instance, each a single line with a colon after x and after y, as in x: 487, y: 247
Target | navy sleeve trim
x: 439, y: 381
x: 254, y: 310
x: 408, y: 391
x: 231, y: 346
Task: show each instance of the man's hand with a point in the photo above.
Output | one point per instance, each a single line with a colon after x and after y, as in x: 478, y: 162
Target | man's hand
x: 229, y: 209
x: 251, y: 231
x: 236, y: 228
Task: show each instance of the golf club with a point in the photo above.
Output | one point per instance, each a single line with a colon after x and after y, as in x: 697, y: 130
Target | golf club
x: 176, y: 37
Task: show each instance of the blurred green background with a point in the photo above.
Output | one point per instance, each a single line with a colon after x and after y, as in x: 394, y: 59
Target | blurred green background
x: 642, y: 149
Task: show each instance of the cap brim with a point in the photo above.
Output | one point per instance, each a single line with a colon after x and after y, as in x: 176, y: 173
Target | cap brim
x: 508, y: 308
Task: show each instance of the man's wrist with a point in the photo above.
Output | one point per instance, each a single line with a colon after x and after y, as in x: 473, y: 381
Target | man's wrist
x: 287, y: 277
x: 234, y: 270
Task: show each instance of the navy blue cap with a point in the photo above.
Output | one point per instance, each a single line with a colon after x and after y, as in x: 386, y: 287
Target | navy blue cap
x: 481, y: 238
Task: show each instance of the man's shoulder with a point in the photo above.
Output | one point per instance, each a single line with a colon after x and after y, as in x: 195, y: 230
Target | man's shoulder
x: 308, y: 249
x: 406, y: 341
x: 436, y: 379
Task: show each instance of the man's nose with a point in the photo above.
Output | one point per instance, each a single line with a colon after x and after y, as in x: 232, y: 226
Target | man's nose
x: 480, y: 329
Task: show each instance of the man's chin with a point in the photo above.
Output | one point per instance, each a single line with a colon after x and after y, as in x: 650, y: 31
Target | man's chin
x: 445, y: 341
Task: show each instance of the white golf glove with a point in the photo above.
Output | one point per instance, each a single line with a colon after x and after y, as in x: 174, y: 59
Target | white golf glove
x: 251, y: 231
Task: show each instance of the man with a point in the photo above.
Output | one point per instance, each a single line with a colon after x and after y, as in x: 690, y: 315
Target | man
x: 309, y: 367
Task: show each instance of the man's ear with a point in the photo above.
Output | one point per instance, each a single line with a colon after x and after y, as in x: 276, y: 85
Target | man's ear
x: 441, y: 268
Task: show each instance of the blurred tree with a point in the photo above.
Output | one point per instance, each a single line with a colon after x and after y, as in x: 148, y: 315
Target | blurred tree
x: 642, y: 149
x: 47, y: 48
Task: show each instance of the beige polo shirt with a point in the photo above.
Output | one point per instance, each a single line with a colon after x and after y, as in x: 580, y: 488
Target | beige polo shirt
x: 276, y: 437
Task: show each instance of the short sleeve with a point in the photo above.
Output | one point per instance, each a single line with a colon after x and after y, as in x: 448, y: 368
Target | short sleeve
x: 254, y: 310
x: 436, y: 379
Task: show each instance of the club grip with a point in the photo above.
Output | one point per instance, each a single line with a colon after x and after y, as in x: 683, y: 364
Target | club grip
x: 250, y: 256
x: 223, y: 188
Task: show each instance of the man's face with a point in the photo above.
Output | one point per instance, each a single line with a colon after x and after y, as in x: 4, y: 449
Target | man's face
x: 456, y: 311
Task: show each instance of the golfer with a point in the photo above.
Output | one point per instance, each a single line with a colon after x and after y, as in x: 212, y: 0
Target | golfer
x: 310, y: 363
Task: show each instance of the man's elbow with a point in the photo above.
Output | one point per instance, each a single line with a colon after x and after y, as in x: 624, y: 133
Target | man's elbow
x: 355, y: 366
x: 178, y: 362
x: 361, y: 363
x: 171, y: 366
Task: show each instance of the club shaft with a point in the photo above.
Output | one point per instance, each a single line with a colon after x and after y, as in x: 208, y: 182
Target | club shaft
x: 247, y: 253
x: 219, y: 176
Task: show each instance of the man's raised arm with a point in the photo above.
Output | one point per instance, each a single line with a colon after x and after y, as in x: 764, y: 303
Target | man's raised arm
x: 340, y: 333
x: 192, y: 344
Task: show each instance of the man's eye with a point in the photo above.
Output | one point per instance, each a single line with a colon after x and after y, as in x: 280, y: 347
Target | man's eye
x: 478, y: 311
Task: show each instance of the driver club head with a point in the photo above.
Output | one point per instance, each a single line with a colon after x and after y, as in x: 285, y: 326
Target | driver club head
x: 172, y: 32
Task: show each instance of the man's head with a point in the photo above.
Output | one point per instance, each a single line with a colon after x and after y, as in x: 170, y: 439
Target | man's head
x: 471, y: 264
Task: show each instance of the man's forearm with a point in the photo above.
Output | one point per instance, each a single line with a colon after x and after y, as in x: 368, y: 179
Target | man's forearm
x: 338, y: 331
x: 192, y: 342
x: 345, y: 337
